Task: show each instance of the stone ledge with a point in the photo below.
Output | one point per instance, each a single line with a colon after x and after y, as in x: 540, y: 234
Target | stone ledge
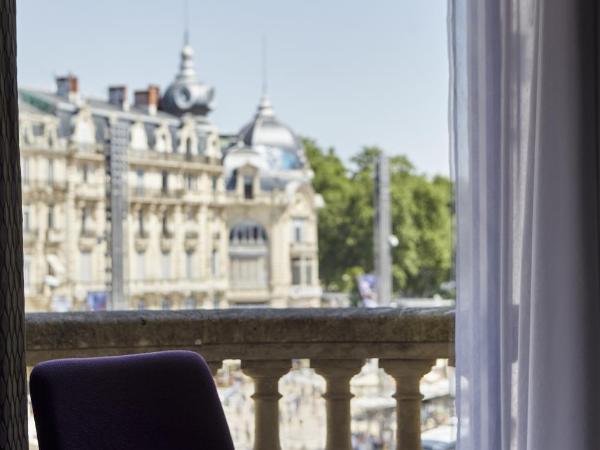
x: 246, y: 333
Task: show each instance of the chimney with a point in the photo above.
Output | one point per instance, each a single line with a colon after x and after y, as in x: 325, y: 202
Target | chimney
x: 117, y: 95
x: 148, y: 99
x: 68, y: 87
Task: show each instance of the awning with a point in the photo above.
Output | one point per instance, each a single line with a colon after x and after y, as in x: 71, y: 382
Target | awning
x: 55, y: 264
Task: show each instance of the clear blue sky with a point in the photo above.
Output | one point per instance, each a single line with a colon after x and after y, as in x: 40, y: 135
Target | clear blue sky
x: 348, y: 73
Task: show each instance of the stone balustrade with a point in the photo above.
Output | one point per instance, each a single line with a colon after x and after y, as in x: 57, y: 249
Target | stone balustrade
x: 337, y: 341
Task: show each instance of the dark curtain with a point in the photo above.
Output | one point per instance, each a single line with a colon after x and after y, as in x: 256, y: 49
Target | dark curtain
x: 13, y: 387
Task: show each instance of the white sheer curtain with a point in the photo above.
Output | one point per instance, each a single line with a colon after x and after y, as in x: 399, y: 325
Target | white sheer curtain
x: 524, y: 125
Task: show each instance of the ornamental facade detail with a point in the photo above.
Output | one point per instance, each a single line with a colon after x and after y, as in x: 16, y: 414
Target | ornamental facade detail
x: 212, y: 220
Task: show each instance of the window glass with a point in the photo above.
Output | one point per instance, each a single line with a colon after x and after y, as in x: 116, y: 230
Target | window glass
x: 165, y: 182
x: 84, y: 219
x: 191, y: 214
x: 165, y: 225
x: 26, y: 219
x: 51, y: 223
x: 38, y: 129
x: 166, y: 265
x: 141, y: 229
x: 50, y: 173
x: 215, y: 263
x: 85, y: 266
x: 139, y: 186
x: 296, y: 271
x: 27, y: 270
x: 201, y: 144
x: 308, y: 272
x: 25, y: 170
x: 298, y: 230
x: 188, y: 146
x: 140, y: 265
x: 191, y: 182
x: 248, y: 187
x: 189, y: 265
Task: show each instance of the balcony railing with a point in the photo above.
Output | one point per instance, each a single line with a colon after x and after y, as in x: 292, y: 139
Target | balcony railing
x: 155, y: 194
x: 145, y: 155
x: 337, y: 341
x: 37, y: 184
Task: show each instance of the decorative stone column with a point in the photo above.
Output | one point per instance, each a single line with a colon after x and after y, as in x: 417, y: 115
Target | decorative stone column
x: 408, y: 374
x: 337, y: 374
x: 13, y: 383
x: 265, y: 375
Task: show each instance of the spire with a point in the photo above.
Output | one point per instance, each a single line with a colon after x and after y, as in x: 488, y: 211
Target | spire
x: 186, y: 66
x: 187, y: 70
x: 186, y: 23
x: 265, y: 108
x: 264, y: 66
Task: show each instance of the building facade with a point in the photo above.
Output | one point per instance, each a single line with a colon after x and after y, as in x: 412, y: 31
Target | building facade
x: 210, y: 220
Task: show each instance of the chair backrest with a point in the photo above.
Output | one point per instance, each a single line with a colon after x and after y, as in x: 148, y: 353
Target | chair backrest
x: 153, y: 401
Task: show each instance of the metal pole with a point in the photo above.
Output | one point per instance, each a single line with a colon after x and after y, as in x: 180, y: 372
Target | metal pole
x: 382, y: 231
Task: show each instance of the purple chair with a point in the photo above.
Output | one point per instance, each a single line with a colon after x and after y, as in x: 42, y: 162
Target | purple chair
x: 153, y: 401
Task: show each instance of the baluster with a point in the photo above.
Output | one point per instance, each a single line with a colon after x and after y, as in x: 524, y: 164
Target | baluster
x: 337, y: 374
x: 408, y: 374
x: 265, y: 375
x: 214, y: 366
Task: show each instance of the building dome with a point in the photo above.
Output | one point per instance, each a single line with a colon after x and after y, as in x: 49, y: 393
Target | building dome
x: 265, y: 134
x: 187, y: 94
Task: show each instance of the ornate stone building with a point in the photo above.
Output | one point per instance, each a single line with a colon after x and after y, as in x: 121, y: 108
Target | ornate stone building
x: 210, y: 221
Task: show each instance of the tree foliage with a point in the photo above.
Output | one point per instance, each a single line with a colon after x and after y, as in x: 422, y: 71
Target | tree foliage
x: 421, y: 219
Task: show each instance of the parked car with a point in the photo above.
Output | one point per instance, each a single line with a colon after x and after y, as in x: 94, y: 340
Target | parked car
x: 439, y: 438
x: 438, y: 445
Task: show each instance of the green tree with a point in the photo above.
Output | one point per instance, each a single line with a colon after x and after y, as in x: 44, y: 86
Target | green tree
x: 421, y: 219
x: 331, y: 181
